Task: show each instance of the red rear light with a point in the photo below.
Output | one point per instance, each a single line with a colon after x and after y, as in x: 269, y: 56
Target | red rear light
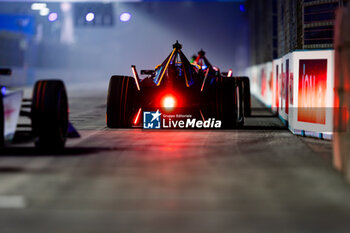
x: 169, y: 102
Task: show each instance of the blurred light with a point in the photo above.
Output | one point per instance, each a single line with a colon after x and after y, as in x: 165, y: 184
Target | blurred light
x: 169, y: 102
x: 52, y: 16
x: 44, y: 12
x: 125, y: 17
x: 3, y: 90
x: 66, y: 6
x: 242, y: 8
x: 137, y: 116
x: 229, y: 73
x: 90, y: 16
x: 38, y: 6
x: 204, y: 67
x: 136, y: 77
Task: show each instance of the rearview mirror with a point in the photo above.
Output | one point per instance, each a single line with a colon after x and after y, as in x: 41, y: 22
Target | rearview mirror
x: 147, y: 72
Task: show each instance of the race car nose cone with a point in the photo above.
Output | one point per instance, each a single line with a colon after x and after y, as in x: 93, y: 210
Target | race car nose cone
x: 169, y: 102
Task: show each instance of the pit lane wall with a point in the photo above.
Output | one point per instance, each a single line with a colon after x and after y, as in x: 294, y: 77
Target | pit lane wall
x: 299, y: 88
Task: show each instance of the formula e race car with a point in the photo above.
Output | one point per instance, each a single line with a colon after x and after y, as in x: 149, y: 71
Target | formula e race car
x: 47, y: 112
x: 176, y: 86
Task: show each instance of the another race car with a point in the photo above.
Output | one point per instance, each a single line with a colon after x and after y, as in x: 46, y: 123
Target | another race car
x: 47, y: 111
x: 177, y: 86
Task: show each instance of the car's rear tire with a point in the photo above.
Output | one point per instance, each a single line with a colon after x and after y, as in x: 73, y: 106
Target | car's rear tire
x: 121, y: 99
x: 226, y: 102
x: 245, y: 83
x: 2, y: 121
x: 239, y: 105
x: 229, y: 103
x: 49, y: 114
x: 209, y: 98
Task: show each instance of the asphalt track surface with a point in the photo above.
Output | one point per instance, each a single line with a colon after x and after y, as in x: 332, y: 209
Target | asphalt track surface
x: 258, y: 179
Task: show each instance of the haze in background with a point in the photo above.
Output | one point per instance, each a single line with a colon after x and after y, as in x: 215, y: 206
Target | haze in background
x: 96, y: 53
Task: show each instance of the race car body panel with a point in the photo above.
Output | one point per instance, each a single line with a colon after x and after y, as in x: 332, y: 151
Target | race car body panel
x: 44, y: 117
x: 178, y: 87
x: 176, y: 66
x: 12, y: 101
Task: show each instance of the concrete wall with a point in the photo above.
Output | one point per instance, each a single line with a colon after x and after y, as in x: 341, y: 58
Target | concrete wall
x: 341, y: 142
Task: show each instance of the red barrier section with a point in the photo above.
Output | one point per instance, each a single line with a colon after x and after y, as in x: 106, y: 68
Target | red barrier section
x: 300, y: 89
x: 312, y: 88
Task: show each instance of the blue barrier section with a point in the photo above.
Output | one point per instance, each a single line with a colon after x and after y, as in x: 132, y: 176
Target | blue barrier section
x: 18, y: 23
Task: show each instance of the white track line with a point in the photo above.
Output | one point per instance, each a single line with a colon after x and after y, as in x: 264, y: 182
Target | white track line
x: 12, y: 202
